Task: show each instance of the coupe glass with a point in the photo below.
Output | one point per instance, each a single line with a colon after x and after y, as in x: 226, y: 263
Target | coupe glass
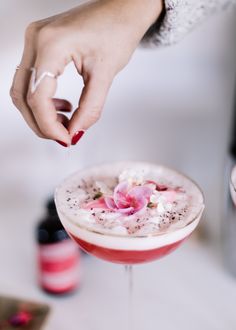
x: 127, y: 249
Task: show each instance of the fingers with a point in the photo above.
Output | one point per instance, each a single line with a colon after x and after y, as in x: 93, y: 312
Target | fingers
x: 63, y: 119
x: 62, y: 105
x: 40, y: 94
x: 20, y: 94
x: 18, y: 98
x: 19, y: 87
x: 91, y: 103
x: 33, y: 94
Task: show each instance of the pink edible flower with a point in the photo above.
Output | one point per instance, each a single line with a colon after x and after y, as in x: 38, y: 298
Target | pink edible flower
x: 97, y: 204
x: 128, y: 200
x: 159, y: 187
x: 168, y: 193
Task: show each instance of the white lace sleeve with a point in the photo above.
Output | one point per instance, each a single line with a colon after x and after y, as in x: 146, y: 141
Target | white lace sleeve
x: 180, y: 17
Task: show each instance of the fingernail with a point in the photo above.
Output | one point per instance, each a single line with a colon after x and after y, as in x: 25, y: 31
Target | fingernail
x: 62, y: 143
x: 77, y: 136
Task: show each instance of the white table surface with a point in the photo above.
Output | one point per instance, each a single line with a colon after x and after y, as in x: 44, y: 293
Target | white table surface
x: 189, y: 289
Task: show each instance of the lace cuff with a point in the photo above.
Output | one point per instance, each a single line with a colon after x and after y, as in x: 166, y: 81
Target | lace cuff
x: 181, y: 16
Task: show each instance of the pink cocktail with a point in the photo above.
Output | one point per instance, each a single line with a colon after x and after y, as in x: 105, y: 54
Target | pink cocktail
x: 126, y: 256
x: 129, y: 212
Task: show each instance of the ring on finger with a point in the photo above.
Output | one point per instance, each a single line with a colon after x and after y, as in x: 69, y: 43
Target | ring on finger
x: 36, y: 82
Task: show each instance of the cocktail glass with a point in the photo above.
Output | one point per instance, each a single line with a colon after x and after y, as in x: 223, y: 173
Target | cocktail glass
x: 129, y: 249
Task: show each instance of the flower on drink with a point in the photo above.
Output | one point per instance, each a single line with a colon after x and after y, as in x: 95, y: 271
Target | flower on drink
x: 132, y: 195
x: 103, y: 188
x: 128, y: 199
x: 163, y: 200
x: 133, y: 176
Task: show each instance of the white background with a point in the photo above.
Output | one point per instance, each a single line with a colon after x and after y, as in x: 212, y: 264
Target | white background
x: 170, y: 105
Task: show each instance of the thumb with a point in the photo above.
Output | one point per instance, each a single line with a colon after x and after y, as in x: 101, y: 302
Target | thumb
x: 91, y: 103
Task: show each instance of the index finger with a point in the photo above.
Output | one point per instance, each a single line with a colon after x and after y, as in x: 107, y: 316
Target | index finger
x: 42, y: 88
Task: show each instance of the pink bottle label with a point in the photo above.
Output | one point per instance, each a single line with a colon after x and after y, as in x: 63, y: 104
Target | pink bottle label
x: 59, y: 266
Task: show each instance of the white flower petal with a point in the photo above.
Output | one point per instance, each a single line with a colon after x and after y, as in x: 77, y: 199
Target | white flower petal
x: 153, y: 199
x: 133, y: 176
x: 160, y: 208
x: 103, y: 188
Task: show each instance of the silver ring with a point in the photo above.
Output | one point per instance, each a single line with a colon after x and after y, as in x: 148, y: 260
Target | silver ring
x: 36, y: 82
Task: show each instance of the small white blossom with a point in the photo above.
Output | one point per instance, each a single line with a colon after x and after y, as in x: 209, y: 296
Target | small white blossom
x: 154, y: 198
x: 132, y: 176
x: 157, y: 197
x: 103, y: 188
x: 160, y: 200
x: 160, y: 208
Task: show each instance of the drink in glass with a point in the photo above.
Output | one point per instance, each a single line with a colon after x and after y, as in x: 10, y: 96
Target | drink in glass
x: 129, y: 212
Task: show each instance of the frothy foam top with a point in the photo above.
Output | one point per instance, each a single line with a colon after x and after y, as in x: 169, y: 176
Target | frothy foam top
x: 129, y: 199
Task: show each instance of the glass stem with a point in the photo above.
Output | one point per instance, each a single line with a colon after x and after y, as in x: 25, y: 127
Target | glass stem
x: 129, y: 272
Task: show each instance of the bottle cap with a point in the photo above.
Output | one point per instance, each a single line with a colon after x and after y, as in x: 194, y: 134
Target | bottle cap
x: 50, y: 230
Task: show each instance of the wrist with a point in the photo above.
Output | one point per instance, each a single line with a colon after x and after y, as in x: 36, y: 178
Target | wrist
x: 140, y: 14
x: 144, y: 12
x: 148, y: 11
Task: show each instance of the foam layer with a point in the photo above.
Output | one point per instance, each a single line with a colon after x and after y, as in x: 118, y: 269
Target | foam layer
x: 167, y: 222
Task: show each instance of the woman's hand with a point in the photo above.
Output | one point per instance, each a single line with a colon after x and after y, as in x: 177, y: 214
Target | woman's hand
x: 99, y: 37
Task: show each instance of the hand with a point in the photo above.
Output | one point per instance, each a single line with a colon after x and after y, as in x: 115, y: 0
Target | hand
x: 100, y: 38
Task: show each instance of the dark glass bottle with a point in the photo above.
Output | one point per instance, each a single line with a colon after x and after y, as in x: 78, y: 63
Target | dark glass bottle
x: 51, y: 207
x: 58, y: 255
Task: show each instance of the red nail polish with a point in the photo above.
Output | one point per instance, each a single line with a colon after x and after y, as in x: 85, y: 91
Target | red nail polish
x: 77, y: 136
x: 62, y: 143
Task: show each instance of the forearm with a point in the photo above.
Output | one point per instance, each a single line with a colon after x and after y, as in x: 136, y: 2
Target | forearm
x: 137, y: 15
